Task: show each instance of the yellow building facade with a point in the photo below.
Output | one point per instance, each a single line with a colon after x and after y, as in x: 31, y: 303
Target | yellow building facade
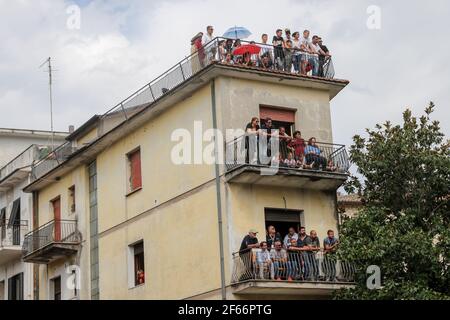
x: 188, y: 218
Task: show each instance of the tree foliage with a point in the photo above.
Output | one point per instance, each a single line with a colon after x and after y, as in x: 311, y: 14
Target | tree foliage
x: 403, y: 226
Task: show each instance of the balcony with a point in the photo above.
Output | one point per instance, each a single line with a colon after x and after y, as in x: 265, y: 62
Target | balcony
x: 242, y: 167
x: 52, y: 241
x: 211, y: 54
x: 300, y: 275
x: 11, y: 240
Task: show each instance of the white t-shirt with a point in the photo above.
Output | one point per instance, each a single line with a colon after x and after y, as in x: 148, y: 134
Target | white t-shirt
x: 206, y: 39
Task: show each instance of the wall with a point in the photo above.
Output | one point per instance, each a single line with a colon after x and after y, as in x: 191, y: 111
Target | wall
x: 239, y: 100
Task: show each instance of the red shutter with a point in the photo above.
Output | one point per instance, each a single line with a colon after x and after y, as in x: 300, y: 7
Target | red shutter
x: 276, y: 114
x: 136, y: 176
x: 57, y: 215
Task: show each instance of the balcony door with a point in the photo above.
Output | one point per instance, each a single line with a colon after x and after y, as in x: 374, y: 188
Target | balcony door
x: 283, y: 219
x: 56, y: 204
x: 281, y: 117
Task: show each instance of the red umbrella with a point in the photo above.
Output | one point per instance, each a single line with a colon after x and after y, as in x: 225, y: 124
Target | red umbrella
x: 248, y: 48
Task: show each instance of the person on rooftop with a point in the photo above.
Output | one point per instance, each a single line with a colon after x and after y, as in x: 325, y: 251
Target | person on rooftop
x: 278, y: 43
x: 305, y: 50
x: 266, y: 49
x: 314, y: 56
x: 209, y: 47
x: 198, y: 52
x: 288, y: 56
x: 296, y: 44
x: 323, y: 57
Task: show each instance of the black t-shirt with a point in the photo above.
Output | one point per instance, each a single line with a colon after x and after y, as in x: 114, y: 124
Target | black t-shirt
x: 324, y: 49
x: 249, y: 126
x: 278, y: 44
x: 246, y: 242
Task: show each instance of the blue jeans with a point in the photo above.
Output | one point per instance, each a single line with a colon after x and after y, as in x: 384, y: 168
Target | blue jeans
x: 314, y: 61
x: 297, y: 62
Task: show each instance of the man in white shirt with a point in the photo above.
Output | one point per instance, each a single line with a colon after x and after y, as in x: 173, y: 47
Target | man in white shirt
x: 305, y: 50
x: 211, y: 48
x: 314, y: 56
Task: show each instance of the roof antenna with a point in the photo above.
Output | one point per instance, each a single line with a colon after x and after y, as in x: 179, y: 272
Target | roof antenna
x: 50, y: 70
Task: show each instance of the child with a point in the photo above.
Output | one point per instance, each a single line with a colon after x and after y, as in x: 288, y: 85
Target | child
x: 290, y: 161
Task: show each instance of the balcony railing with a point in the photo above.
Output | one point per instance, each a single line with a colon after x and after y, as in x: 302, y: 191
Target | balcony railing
x: 211, y: 53
x: 296, y: 267
x: 332, y: 158
x: 28, y: 157
x: 54, y: 232
x: 12, y: 234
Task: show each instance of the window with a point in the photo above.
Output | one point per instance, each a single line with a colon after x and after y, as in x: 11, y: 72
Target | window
x: 134, y: 170
x: 56, y: 288
x: 15, y: 287
x: 281, y: 117
x: 137, y: 263
x: 2, y: 290
x: 72, y: 207
x: 3, y: 224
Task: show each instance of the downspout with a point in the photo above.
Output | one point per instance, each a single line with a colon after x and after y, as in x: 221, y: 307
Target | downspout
x: 219, y: 197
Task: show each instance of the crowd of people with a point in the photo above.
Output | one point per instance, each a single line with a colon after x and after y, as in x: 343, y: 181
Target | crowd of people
x: 293, y: 257
x: 291, y: 52
x: 294, y: 151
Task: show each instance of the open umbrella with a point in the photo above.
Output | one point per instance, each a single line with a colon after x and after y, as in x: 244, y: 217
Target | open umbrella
x: 248, y: 48
x: 237, y: 33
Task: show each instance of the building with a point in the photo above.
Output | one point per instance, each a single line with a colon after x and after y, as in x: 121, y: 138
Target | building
x: 119, y: 214
x: 349, y: 204
x: 19, y: 149
x: 14, y: 141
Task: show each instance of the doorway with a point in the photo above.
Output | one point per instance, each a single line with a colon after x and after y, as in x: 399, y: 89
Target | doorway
x: 283, y: 219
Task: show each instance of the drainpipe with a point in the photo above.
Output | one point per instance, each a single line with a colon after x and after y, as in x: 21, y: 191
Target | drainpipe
x: 219, y: 197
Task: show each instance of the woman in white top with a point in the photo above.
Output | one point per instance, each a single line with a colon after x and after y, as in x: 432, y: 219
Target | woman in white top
x: 296, y: 44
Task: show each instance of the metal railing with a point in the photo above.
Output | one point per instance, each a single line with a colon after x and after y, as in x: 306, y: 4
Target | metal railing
x: 54, y: 232
x: 28, y: 157
x: 243, y: 151
x: 290, y: 266
x: 215, y: 52
x: 12, y: 235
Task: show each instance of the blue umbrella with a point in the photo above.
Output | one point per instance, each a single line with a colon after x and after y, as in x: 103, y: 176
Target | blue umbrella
x: 237, y: 33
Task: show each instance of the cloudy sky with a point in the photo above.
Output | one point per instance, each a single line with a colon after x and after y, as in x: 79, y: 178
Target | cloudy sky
x: 122, y: 45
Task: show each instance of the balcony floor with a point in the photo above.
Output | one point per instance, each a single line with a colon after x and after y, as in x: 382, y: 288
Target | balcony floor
x: 286, y: 177
x: 304, y: 289
x: 10, y: 253
x: 51, y: 252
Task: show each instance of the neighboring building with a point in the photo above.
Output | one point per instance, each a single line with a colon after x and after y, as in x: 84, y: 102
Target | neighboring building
x: 349, y: 204
x: 16, y: 207
x: 112, y: 201
x: 14, y: 141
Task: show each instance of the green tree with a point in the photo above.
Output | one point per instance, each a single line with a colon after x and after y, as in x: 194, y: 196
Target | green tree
x: 403, y: 226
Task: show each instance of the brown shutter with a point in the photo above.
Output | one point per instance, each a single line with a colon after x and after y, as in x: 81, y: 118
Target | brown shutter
x: 276, y: 114
x: 136, y: 175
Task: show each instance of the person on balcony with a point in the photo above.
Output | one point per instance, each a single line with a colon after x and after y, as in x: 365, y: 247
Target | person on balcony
x: 294, y: 260
x: 313, y: 155
x: 287, y: 33
x: 279, y: 259
x: 209, y: 47
x: 302, y: 247
x: 291, y: 235
x: 330, y: 244
x: 290, y: 162
x: 247, y: 60
x: 272, y: 236
x: 249, y: 242
x: 264, y: 261
x: 278, y: 43
x: 252, y: 131
x: 222, y: 50
x: 196, y: 48
x: 297, y: 145
x: 313, y: 244
x: 284, y: 140
x: 267, y: 130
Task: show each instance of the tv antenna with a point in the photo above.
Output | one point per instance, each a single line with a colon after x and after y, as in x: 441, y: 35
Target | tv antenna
x: 50, y: 71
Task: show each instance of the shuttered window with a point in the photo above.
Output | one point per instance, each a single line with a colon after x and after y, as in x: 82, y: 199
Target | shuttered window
x: 135, y: 179
x: 277, y: 114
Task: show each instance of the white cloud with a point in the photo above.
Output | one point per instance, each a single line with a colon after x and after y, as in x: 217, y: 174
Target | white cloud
x: 123, y: 45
